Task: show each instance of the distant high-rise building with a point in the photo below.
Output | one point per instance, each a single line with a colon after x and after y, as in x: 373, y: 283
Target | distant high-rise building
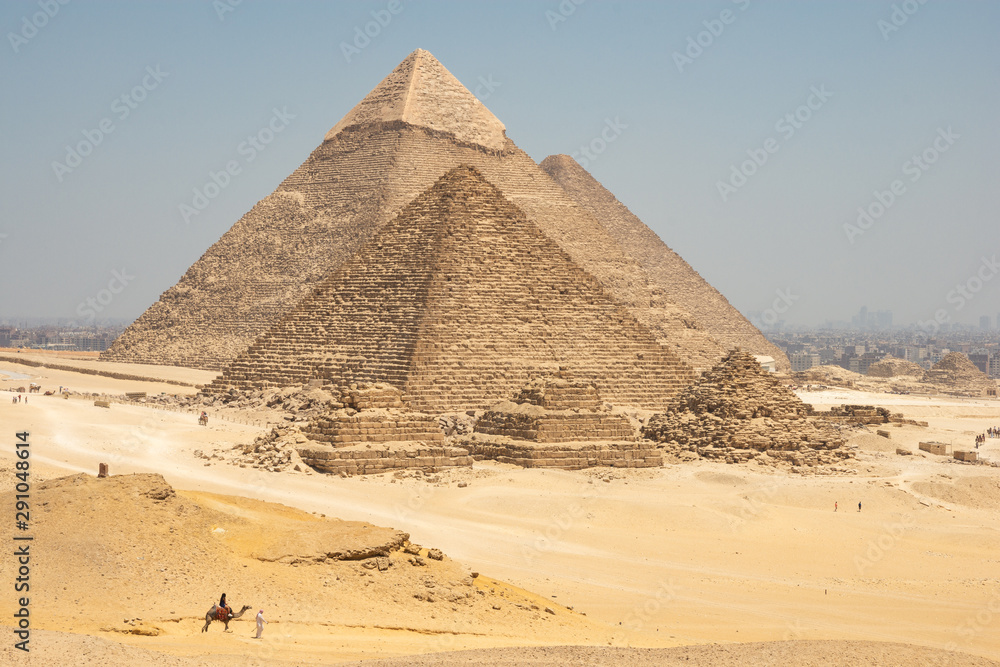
x: 984, y: 322
x: 863, y: 317
x: 803, y: 361
x: 980, y: 360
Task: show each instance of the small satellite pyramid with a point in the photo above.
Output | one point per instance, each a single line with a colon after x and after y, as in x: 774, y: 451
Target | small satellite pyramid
x: 413, y: 127
x: 459, y: 301
x: 956, y: 374
x: 665, y: 267
x: 737, y: 411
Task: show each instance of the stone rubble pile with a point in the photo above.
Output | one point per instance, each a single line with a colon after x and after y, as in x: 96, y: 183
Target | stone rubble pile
x: 275, y: 451
x: 955, y: 374
x: 737, y: 412
x: 890, y: 367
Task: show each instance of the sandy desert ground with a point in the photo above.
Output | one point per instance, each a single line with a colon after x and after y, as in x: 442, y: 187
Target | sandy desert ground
x: 719, y: 556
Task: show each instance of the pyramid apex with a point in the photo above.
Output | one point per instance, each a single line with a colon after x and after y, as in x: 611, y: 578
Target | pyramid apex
x: 422, y: 92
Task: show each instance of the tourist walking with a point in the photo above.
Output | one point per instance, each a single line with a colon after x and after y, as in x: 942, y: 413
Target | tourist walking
x: 260, y: 623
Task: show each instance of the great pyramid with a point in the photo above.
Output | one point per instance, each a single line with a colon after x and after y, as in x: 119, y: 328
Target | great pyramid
x: 736, y: 412
x: 417, y: 124
x: 666, y: 268
x: 458, y: 301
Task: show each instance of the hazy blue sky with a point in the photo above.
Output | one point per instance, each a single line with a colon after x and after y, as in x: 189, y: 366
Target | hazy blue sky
x: 209, y: 78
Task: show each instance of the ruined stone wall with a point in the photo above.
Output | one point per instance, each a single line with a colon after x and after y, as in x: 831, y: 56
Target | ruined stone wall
x: 616, y: 455
x: 340, y: 427
x: 366, y: 461
x: 551, y: 426
x: 856, y: 414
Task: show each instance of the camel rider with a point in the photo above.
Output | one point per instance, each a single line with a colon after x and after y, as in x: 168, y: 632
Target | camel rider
x: 223, y: 605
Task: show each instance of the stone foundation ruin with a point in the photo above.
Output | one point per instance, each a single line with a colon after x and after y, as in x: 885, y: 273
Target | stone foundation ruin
x: 559, y: 422
x: 373, y: 431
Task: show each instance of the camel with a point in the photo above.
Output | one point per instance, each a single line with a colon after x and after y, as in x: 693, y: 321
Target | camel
x: 213, y: 615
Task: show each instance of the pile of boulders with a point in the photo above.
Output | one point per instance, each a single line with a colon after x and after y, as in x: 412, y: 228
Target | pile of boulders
x: 737, y: 412
x: 274, y: 451
x: 458, y: 423
x: 890, y: 367
x: 955, y: 374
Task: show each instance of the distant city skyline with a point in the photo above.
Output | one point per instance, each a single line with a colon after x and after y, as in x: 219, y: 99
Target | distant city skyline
x: 807, y: 159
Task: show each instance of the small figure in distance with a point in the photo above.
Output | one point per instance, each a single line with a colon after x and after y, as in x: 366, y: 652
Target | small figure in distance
x: 260, y: 623
x: 859, y: 507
